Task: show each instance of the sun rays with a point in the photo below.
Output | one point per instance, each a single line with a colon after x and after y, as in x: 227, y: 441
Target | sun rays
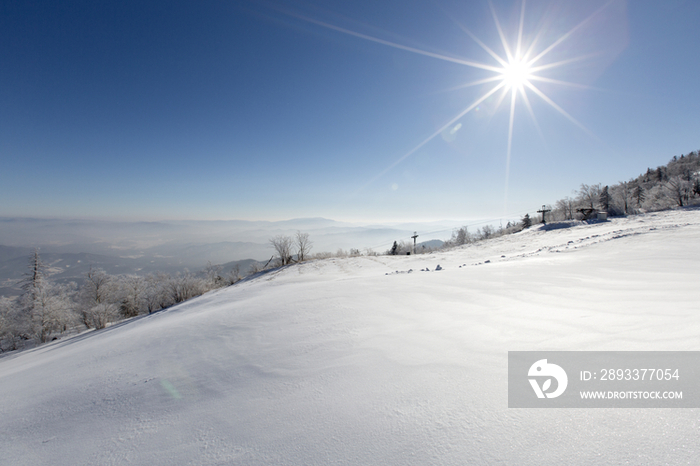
x: 516, y: 68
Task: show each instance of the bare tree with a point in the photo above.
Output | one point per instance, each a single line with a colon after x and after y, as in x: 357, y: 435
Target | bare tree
x: 566, y: 208
x: 588, y: 195
x: 283, y: 246
x: 303, y: 245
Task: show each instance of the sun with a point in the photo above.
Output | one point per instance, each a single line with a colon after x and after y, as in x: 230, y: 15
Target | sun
x: 516, y: 74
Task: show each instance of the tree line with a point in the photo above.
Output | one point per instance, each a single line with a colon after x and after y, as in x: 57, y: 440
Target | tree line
x: 45, y: 310
x: 676, y: 184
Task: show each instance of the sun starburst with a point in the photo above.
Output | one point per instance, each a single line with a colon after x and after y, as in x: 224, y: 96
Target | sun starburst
x: 514, y: 72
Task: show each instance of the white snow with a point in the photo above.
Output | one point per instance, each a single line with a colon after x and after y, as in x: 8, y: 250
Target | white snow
x: 345, y: 361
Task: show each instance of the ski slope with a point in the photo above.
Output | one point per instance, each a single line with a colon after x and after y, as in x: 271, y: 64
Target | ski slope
x: 359, y: 362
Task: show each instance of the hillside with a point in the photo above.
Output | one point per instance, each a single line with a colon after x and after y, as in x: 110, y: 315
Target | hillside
x: 356, y: 361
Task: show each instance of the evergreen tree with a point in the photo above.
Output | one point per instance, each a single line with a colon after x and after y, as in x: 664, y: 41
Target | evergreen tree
x: 394, y: 249
x: 46, y: 308
x: 638, y: 195
x: 604, y: 199
x: 660, y: 174
x: 460, y: 236
x: 527, y: 223
x: 31, y: 287
x: 34, y: 276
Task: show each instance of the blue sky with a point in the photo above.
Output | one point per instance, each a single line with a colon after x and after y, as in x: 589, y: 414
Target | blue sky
x: 285, y: 109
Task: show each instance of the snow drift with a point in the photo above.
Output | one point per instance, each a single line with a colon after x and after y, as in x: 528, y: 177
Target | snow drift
x: 359, y: 361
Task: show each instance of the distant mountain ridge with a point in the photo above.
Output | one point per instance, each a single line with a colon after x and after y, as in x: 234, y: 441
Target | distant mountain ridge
x: 72, y: 246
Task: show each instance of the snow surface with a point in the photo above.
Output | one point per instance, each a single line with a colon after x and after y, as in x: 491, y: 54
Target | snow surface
x: 356, y: 361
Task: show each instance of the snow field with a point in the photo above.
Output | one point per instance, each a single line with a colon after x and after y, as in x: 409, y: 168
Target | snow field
x: 336, y: 362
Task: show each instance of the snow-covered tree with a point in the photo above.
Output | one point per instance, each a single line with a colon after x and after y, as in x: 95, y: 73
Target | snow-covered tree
x: 99, y: 315
x: 460, y: 236
x: 52, y: 311
x: 131, y: 294
x: 98, y: 287
x: 184, y: 286
x: 157, y: 296
x: 234, y: 275
x: 638, y: 195
x: 588, y: 195
x: 303, y: 244
x: 622, y: 196
x: 661, y: 174
x: 487, y: 231
x: 33, y: 279
x: 656, y: 199
x: 11, y: 328
x: 678, y: 190
x: 213, y: 276
x: 604, y: 199
x: 43, y: 309
x: 564, y: 209
x: 283, y: 246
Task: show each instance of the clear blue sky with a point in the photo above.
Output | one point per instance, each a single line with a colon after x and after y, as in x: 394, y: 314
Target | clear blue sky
x: 283, y: 109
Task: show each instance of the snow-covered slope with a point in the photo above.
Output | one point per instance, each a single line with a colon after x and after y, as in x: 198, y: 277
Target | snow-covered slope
x: 356, y: 361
